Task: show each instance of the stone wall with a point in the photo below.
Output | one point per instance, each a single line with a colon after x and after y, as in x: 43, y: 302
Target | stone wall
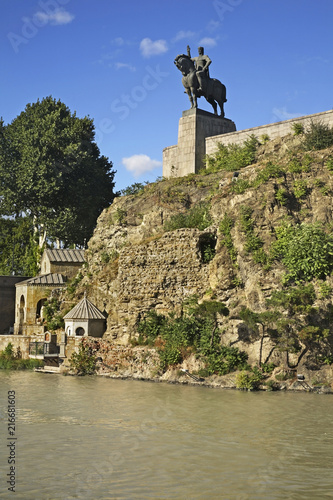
x: 20, y: 341
x: 159, y: 274
x: 273, y: 130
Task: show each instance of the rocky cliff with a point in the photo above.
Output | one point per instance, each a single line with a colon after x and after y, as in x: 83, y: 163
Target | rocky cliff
x: 137, y: 260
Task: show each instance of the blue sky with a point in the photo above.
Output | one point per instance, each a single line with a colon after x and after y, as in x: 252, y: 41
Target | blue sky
x: 113, y: 60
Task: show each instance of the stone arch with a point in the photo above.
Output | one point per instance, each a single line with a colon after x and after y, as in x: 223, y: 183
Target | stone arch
x: 39, y: 309
x: 21, y: 318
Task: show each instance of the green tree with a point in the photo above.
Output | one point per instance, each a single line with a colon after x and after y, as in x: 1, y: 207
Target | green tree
x: 19, y: 250
x: 51, y: 169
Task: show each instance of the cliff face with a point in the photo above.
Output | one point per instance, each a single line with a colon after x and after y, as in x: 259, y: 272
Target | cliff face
x: 134, y: 265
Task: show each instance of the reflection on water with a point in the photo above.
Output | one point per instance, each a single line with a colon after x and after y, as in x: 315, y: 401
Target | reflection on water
x: 96, y: 438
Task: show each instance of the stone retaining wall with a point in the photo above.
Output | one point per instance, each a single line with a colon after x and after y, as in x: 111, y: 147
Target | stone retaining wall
x: 273, y: 130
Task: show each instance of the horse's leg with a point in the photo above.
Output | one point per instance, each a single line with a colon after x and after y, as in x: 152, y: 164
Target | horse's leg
x: 221, y: 104
x: 213, y: 103
x: 189, y: 93
x: 195, y: 103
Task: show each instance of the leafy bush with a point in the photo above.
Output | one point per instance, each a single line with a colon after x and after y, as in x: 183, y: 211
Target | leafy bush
x: 197, y: 217
x: 83, y: 362
x: 300, y: 189
x: 240, y: 186
x: 195, y: 331
x: 249, y: 381
x: 271, y: 171
x: 233, y: 156
x: 294, y: 299
x: 317, y: 136
x: 306, y: 250
x: 281, y: 196
x: 298, y: 128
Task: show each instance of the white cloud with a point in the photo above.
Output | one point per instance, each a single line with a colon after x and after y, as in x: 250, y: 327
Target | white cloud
x: 208, y: 42
x: 140, y: 164
x: 282, y: 114
x: 58, y: 17
x: 149, y: 48
x: 183, y: 34
x: 120, y: 65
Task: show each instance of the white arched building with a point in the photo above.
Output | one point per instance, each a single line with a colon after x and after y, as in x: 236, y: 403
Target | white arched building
x: 84, y: 320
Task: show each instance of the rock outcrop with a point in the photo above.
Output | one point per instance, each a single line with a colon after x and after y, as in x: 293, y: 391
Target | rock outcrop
x: 135, y: 265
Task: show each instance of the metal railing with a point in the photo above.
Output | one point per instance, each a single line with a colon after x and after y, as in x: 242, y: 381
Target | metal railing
x: 42, y: 348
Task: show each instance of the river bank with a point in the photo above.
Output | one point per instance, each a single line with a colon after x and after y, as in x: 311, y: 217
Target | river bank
x: 143, y: 363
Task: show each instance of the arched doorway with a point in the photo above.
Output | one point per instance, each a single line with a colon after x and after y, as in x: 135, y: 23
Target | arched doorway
x: 21, y: 313
x: 39, y: 310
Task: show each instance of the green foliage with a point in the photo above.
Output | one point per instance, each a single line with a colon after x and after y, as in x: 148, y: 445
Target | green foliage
x: 264, y: 138
x: 134, y: 189
x: 267, y: 368
x: 306, y: 250
x: 73, y: 284
x: 120, y: 216
x: 329, y: 164
x: 54, y: 319
x: 298, y: 128
x: 83, y: 362
x: 300, y: 189
x: 225, y: 227
x: 281, y: 196
x: 208, y: 254
x: 19, y: 250
x: 240, y: 186
x: 9, y: 360
x: 253, y: 243
x: 270, y: 171
x: 295, y: 300
x: 317, y: 136
x: 249, y: 381
x: 51, y: 169
x: 197, y: 217
x: 325, y: 290
x: 195, y: 331
x: 233, y: 156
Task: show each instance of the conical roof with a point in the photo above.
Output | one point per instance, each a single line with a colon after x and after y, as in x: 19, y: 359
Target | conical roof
x: 84, y: 310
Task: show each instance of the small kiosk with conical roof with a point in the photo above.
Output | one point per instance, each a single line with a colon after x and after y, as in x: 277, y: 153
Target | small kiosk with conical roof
x: 84, y: 320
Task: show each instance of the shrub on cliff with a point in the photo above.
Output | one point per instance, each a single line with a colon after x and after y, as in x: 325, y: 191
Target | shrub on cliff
x: 83, y: 362
x: 317, y: 136
x: 195, y: 331
x: 197, y: 217
x: 233, y: 156
x: 306, y: 250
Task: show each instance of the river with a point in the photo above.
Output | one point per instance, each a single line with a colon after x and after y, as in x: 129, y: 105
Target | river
x: 99, y: 438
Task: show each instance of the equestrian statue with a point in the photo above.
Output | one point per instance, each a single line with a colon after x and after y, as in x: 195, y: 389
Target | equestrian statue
x: 197, y: 81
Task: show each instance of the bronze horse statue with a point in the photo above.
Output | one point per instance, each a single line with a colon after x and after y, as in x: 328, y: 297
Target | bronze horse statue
x: 214, y: 93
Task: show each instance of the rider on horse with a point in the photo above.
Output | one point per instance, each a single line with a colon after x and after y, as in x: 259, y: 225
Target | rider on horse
x: 201, y: 63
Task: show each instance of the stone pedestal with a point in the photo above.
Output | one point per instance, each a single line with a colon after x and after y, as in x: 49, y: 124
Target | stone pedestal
x: 195, y: 126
